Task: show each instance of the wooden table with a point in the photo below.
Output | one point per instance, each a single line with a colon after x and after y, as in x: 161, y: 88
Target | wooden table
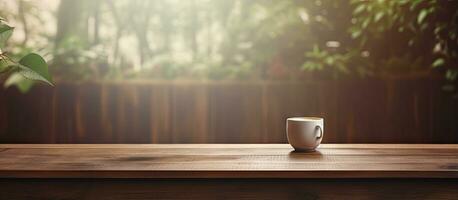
x: 249, y: 171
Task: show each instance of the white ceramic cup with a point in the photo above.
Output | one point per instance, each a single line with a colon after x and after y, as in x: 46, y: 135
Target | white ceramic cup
x: 304, y: 133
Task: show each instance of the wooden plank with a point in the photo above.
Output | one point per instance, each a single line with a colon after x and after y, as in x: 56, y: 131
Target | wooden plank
x: 189, y: 114
x: 228, y: 161
x: 113, y: 189
x: 235, y: 113
x: 160, y: 113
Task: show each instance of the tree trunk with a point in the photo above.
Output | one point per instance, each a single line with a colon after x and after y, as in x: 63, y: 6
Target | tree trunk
x: 70, y: 20
x: 23, y: 19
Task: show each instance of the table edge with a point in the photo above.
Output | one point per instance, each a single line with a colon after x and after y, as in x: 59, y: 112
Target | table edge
x: 198, y: 146
x: 211, y: 174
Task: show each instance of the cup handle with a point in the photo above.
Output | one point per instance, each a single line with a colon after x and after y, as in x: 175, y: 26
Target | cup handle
x: 320, y: 135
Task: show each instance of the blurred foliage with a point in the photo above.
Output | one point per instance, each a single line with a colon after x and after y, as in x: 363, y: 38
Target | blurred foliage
x: 30, y: 67
x: 409, y: 33
x: 74, y: 61
x: 337, y: 64
x: 240, y: 39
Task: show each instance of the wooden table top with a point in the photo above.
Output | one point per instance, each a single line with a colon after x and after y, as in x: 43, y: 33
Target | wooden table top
x: 227, y: 161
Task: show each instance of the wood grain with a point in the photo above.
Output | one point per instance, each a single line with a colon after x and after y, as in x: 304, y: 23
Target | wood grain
x: 138, y: 189
x: 228, y: 161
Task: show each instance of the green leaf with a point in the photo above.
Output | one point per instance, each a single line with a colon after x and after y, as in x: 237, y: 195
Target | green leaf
x: 414, y: 4
x: 359, y: 9
x: 366, y: 23
x: 438, y: 62
x: 422, y: 16
x: 5, y: 66
x: 5, y: 33
x: 19, y: 81
x: 378, y: 16
x: 34, y: 67
x: 355, y: 34
x: 451, y: 74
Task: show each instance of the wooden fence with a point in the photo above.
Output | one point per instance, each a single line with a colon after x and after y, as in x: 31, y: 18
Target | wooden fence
x: 358, y: 111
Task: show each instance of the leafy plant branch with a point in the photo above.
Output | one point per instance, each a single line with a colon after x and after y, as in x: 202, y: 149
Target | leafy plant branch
x: 32, y: 67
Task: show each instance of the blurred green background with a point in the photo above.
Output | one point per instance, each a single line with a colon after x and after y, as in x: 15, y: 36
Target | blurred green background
x: 237, y: 39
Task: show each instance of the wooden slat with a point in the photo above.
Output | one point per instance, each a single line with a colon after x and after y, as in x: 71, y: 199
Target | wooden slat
x: 355, y: 111
x: 228, y: 161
